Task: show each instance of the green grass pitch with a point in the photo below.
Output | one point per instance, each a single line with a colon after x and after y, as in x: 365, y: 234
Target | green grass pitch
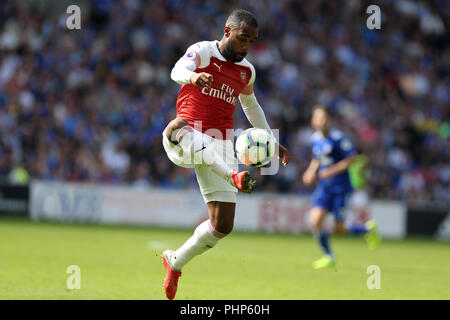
x: 124, y: 263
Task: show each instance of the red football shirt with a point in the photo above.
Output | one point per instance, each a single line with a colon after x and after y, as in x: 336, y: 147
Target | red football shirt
x: 210, y: 110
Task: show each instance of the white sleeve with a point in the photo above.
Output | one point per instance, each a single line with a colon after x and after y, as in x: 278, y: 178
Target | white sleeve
x: 196, y: 56
x: 253, y: 111
x: 253, y: 76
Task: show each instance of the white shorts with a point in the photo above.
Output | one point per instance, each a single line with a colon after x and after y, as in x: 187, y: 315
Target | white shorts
x: 212, y: 186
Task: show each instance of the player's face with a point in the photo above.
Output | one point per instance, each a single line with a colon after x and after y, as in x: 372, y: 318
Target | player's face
x: 319, y: 120
x: 239, y: 40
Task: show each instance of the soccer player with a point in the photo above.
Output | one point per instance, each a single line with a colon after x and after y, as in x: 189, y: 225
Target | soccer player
x: 333, y: 153
x: 213, y: 75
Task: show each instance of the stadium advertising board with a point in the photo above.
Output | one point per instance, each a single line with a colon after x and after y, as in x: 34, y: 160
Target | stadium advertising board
x: 185, y: 209
x: 14, y: 199
x: 429, y: 221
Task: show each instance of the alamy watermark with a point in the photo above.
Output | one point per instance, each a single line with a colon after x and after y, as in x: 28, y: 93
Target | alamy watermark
x: 74, y: 280
x: 374, y: 280
x: 73, y: 21
x: 374, y: 20
x: 198, y: 155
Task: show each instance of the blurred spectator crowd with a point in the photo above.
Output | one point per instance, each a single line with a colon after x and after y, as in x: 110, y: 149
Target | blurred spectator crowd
x: 90, y: 104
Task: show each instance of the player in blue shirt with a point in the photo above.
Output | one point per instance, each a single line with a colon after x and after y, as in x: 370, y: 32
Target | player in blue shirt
x: 332, y: 155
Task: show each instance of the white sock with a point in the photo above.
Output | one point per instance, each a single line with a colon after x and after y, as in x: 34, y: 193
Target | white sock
x: 204, y: 238
x: 193, y: 142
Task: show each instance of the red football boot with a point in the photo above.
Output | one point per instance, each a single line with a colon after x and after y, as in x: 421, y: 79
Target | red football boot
x: 171, y: 279
x: 243, y: 181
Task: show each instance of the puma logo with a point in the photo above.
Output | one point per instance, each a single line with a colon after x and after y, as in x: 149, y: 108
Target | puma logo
x: 218, y: 67
x: 203, y: 147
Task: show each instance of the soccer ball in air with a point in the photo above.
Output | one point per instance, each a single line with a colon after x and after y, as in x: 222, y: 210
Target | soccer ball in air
x: 255, y: 147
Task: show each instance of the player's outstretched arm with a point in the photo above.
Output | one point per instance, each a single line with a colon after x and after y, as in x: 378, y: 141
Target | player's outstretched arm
x: 310, y: 175
x: 202, y: 79
x: 284, y: 155
x: 184, y: 70
x: 182, y: 73
x: 339, y: 167
x: 257, y: 118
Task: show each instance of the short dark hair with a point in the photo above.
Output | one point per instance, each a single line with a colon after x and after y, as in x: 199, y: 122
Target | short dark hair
x: 237, y: 16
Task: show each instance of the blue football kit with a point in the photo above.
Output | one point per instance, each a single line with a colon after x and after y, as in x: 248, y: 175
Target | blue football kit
x: 331, y: 193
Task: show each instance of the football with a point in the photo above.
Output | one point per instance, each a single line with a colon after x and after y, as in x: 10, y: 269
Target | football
x: 255, y: 147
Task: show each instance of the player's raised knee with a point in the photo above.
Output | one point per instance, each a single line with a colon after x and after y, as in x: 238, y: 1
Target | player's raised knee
x: 179, y: 123
x: 174, y: 127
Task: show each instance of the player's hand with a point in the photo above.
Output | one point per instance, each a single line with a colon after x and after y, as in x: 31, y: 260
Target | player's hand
x: 284, y: 155
x: 202, y: 79
x: 325, y: 173
x: 309, y: 177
